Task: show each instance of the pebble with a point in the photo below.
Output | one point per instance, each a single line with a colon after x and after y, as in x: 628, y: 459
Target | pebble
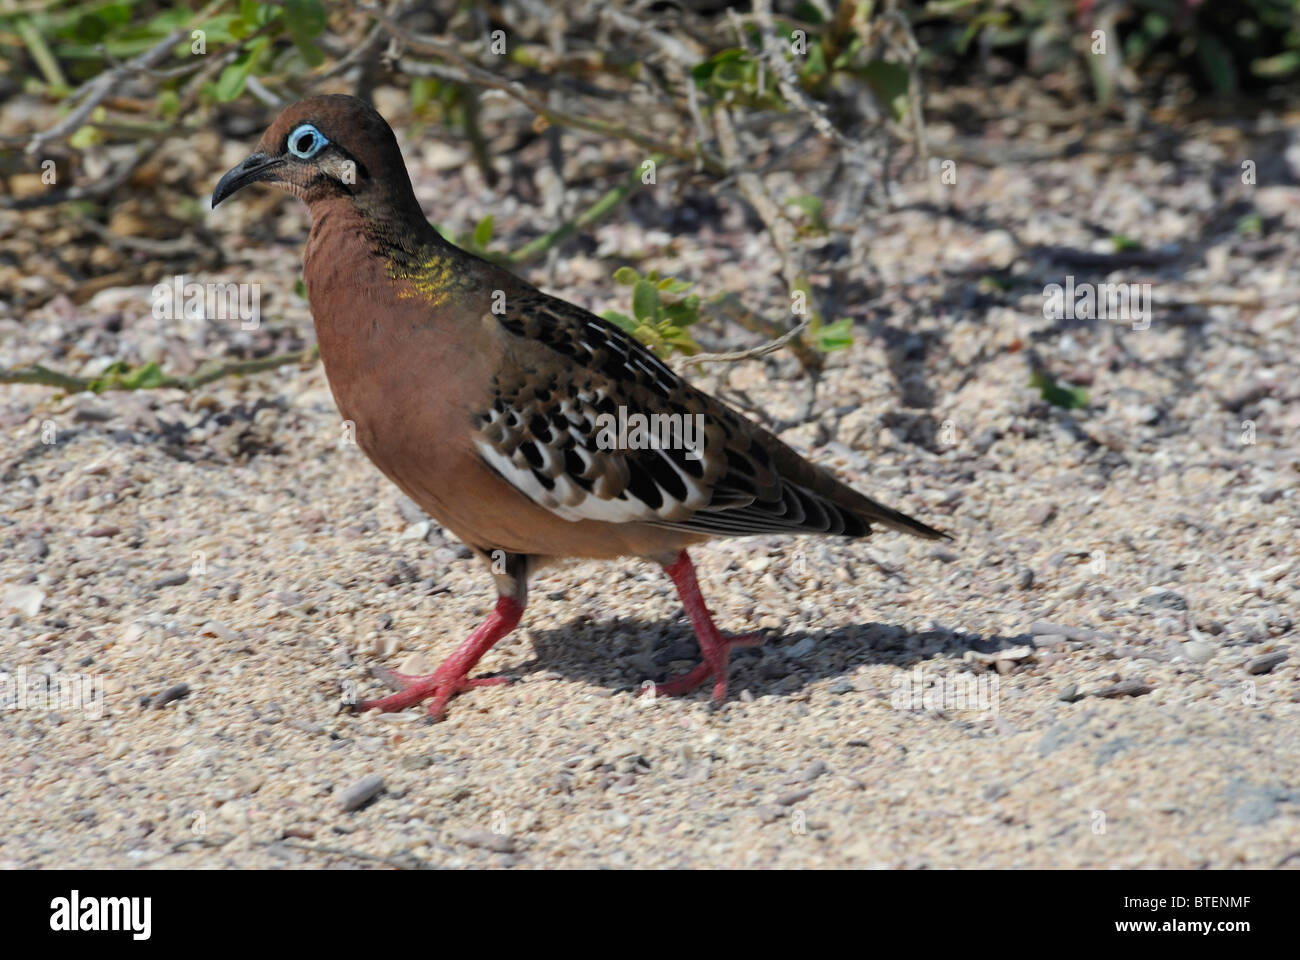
x: 173, y: 580
x: 1165, y: 599
x: 25, y: 600
x: 794, y: 796
x: 1197, y: 651
x: 1077, y: 634
x: 1043, y: 514
x: 218, y: 629
x: 1124, y: 688
x: 1069, y: 693
x: 360, y: 793
x: 487, y: 840
x: 1265, y: 663
x: 178, y: 691
x: 812, y: 771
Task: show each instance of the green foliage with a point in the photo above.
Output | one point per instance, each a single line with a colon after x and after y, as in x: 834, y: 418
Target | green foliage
x: 831, y: 336
x: 659, y: 316
x: 1067, y: 398
x: 818, y: 56
x: 812, y: 207
x: 122, y: 376
x: 1220, y: 46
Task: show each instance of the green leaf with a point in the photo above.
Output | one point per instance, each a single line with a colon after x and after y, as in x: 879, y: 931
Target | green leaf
x: 305, y: 19
x: 1122, y: 243
x: 626, y: 276
x: 645, y: 300
x: 168, y: 104
x: 889, y: 82
x: 673, y: 285
x: 84, y: 137
x: 1282, y: 65
x: 814, y: 68
x: 1067, y: 398
x: 833, y: 336
x: 650, y: 337
x: 1216, y: 61
x: 483, y: 232
x: 147, y: 377
x: 231, y: 82
x: 620, y: 320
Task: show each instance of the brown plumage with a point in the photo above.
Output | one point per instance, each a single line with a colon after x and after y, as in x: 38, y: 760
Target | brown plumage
x: 530, y: 428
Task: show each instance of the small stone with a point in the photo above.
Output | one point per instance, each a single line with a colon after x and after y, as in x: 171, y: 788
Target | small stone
x: 793, y: 797
x: 173, y: 580
x: 360, y: 793
x: 1124, y: 688
x: 1078, y: 634
x: 1265, y: 663
x: 1197, y: 651
x: 410, y: 510
x: 1024, y: 578
x: 1042, y: 514
x: 104, y: 530
x: 812, y: 772
x: 35, y: 548
x: 416, y: 665
x: 25, y: 600
x: 1069, y: 693
x: 218, y: 629
x: 1165, y: 599
x: 177, y: 691
x: 487, y: 840
x: 416, y: 531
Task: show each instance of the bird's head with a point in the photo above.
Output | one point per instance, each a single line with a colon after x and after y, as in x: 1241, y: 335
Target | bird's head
x: 326, y: 147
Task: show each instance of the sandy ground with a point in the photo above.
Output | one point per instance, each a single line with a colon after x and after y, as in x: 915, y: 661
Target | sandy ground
x: 1098, y: 672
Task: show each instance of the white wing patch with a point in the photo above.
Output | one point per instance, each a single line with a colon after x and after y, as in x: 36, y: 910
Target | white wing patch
x: 610, y: 498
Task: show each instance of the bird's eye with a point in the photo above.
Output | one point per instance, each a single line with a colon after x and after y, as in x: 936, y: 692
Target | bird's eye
x: 306, y: 141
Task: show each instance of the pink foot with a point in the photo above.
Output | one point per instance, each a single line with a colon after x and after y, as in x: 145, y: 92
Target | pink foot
x: 714, y: 665
x: 714, y: 647
x: 452, y: 677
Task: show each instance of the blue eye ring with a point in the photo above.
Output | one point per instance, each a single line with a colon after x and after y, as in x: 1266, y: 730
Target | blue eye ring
x: 306, y: 141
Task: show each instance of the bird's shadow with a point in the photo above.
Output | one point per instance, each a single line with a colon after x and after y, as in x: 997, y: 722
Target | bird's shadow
x: 623, y: 653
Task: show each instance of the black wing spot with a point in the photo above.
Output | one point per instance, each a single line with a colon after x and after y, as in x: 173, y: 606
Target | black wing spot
x: 544, y: 480
x: 644, y: 489
x: 663, y: 473
x: 573, y: 464
x: 540, y: 428
x: 531, y: 453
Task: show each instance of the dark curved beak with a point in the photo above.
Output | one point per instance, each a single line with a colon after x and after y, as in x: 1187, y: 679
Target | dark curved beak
x: 253, y: 168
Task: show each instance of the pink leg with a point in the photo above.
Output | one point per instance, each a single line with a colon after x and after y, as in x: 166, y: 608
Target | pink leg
x: 453, y: 675
x: 714, y: 647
